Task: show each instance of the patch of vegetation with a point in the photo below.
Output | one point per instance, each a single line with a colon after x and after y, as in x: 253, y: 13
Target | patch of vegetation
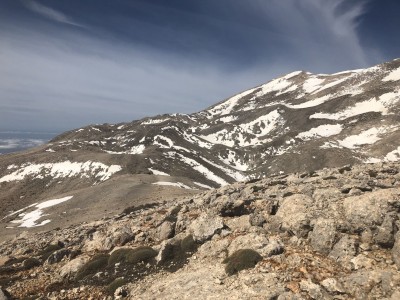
x: 240, y: 260
x: 30, y: 263
x: 116, y: 284
x: 93, y: 266
x: 132, y: 256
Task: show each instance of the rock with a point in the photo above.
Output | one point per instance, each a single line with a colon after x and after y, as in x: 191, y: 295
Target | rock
x: 344, y: 250
x: 368, y: 209
x: 333, y: 286
x: 165, y: 230
x: 274, y: 247
x: 73, y: 266
x: 254, y: 241
x: 57, y: 256
x: 257, y: 219
x: 205, y: 226
x: 241, y: 223
x: 293, y: 214
x: 109, y: 238
x: 4, y: 260
x: 396, y: 250
x: 385, y: 232
x: 214, y: 249
x: 313, y: 290
x: 166, y: 250
x: 4, y: 295
x: 323, y: 236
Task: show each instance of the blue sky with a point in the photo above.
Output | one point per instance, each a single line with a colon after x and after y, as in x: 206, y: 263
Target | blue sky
x: 70, y: 63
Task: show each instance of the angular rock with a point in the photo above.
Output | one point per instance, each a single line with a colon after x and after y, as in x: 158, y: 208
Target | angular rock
x: 313, y: 290
x: 385, y: 232
x: 254, y: 241
x: 166, y: 230
x: 293, y: 214
x: 323, y: 236
x: 205, y: 226
x: 344, y: 250
x: 333, y: 286
x: 241, y: 223
x: 57, y: 256
x: 396, y: 250
x: 368, y: 209
x: 73, y: 266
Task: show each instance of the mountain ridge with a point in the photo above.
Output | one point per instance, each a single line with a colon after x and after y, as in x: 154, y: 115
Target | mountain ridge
x: 299, y: 122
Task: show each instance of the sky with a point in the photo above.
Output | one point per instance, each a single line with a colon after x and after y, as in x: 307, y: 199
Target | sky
x: 70, y: 63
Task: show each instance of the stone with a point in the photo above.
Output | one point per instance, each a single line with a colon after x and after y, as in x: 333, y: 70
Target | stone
x: 274, y: 247
x: 254, y: 241
x: 344, y: 250
x: 205, y: 226
x: 165, y: 230
x: 73, y: 266
x: 333, y: 286
x: 57, y: 256
x: 368, y: 209
x: 241, y: 223
x: 313, y: 290
x: 323, y: 236
x: 385, y: 232
x: 396, y: 250
x: 4, y: 295
x: 293, y: 214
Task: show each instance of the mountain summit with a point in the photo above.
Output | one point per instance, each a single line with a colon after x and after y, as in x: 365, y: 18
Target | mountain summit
x: 296, y: 123
x: 130, y: 210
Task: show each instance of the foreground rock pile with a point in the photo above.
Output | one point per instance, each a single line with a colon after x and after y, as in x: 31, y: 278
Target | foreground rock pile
x: 330, y: 234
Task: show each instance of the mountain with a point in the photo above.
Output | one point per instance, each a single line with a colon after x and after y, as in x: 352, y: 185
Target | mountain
x: 328, y: 234
x: 300, y: 122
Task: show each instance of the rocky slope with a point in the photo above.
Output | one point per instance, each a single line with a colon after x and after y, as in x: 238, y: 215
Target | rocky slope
x: 328, y: 234
x: 295, y: 123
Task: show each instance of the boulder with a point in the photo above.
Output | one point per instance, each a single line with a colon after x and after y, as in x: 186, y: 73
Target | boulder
x: 323, y: 236
x: 73, y: 267
x: 57, y: 256
x: 369, y: 209
x: 293, y: 214
x: 165, y: 230
x: 396, y: 250
x: 344, y: 250
x: 205, y: 226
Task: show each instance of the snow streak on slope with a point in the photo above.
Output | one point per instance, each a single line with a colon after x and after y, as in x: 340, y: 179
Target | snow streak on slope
x: 64, y: 169
x: 202, y: 170
x: 227, y: 106
x: 247, y: 134
x: 30, y: 219
x: 393, y: 76
x: 320, y: 131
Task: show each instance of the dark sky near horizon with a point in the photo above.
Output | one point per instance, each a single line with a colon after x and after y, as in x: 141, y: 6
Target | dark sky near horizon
x: 70, y: 63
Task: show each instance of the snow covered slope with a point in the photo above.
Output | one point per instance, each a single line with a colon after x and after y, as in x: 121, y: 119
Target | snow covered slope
x: 296, y: 123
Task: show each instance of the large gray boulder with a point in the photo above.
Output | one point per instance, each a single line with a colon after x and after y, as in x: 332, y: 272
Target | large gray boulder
x: 369, y: 209
x: 323, y: 236
x: 294, y: 214
x: 205, y: 226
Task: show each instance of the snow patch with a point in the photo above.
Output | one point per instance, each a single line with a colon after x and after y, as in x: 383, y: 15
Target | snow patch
x: 30, y: 219
x: 393, y: 76
x: 177, y: 184
x: 321, y: 131
x: 156, y: 172
x: 64, y: 169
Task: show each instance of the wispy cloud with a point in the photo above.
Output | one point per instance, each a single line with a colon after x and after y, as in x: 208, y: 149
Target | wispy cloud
x: 67, y: 79
x: 49, y: 13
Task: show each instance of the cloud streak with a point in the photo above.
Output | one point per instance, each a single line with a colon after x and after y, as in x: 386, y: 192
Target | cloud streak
x: 49, y: 13
x: 62, y: 79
